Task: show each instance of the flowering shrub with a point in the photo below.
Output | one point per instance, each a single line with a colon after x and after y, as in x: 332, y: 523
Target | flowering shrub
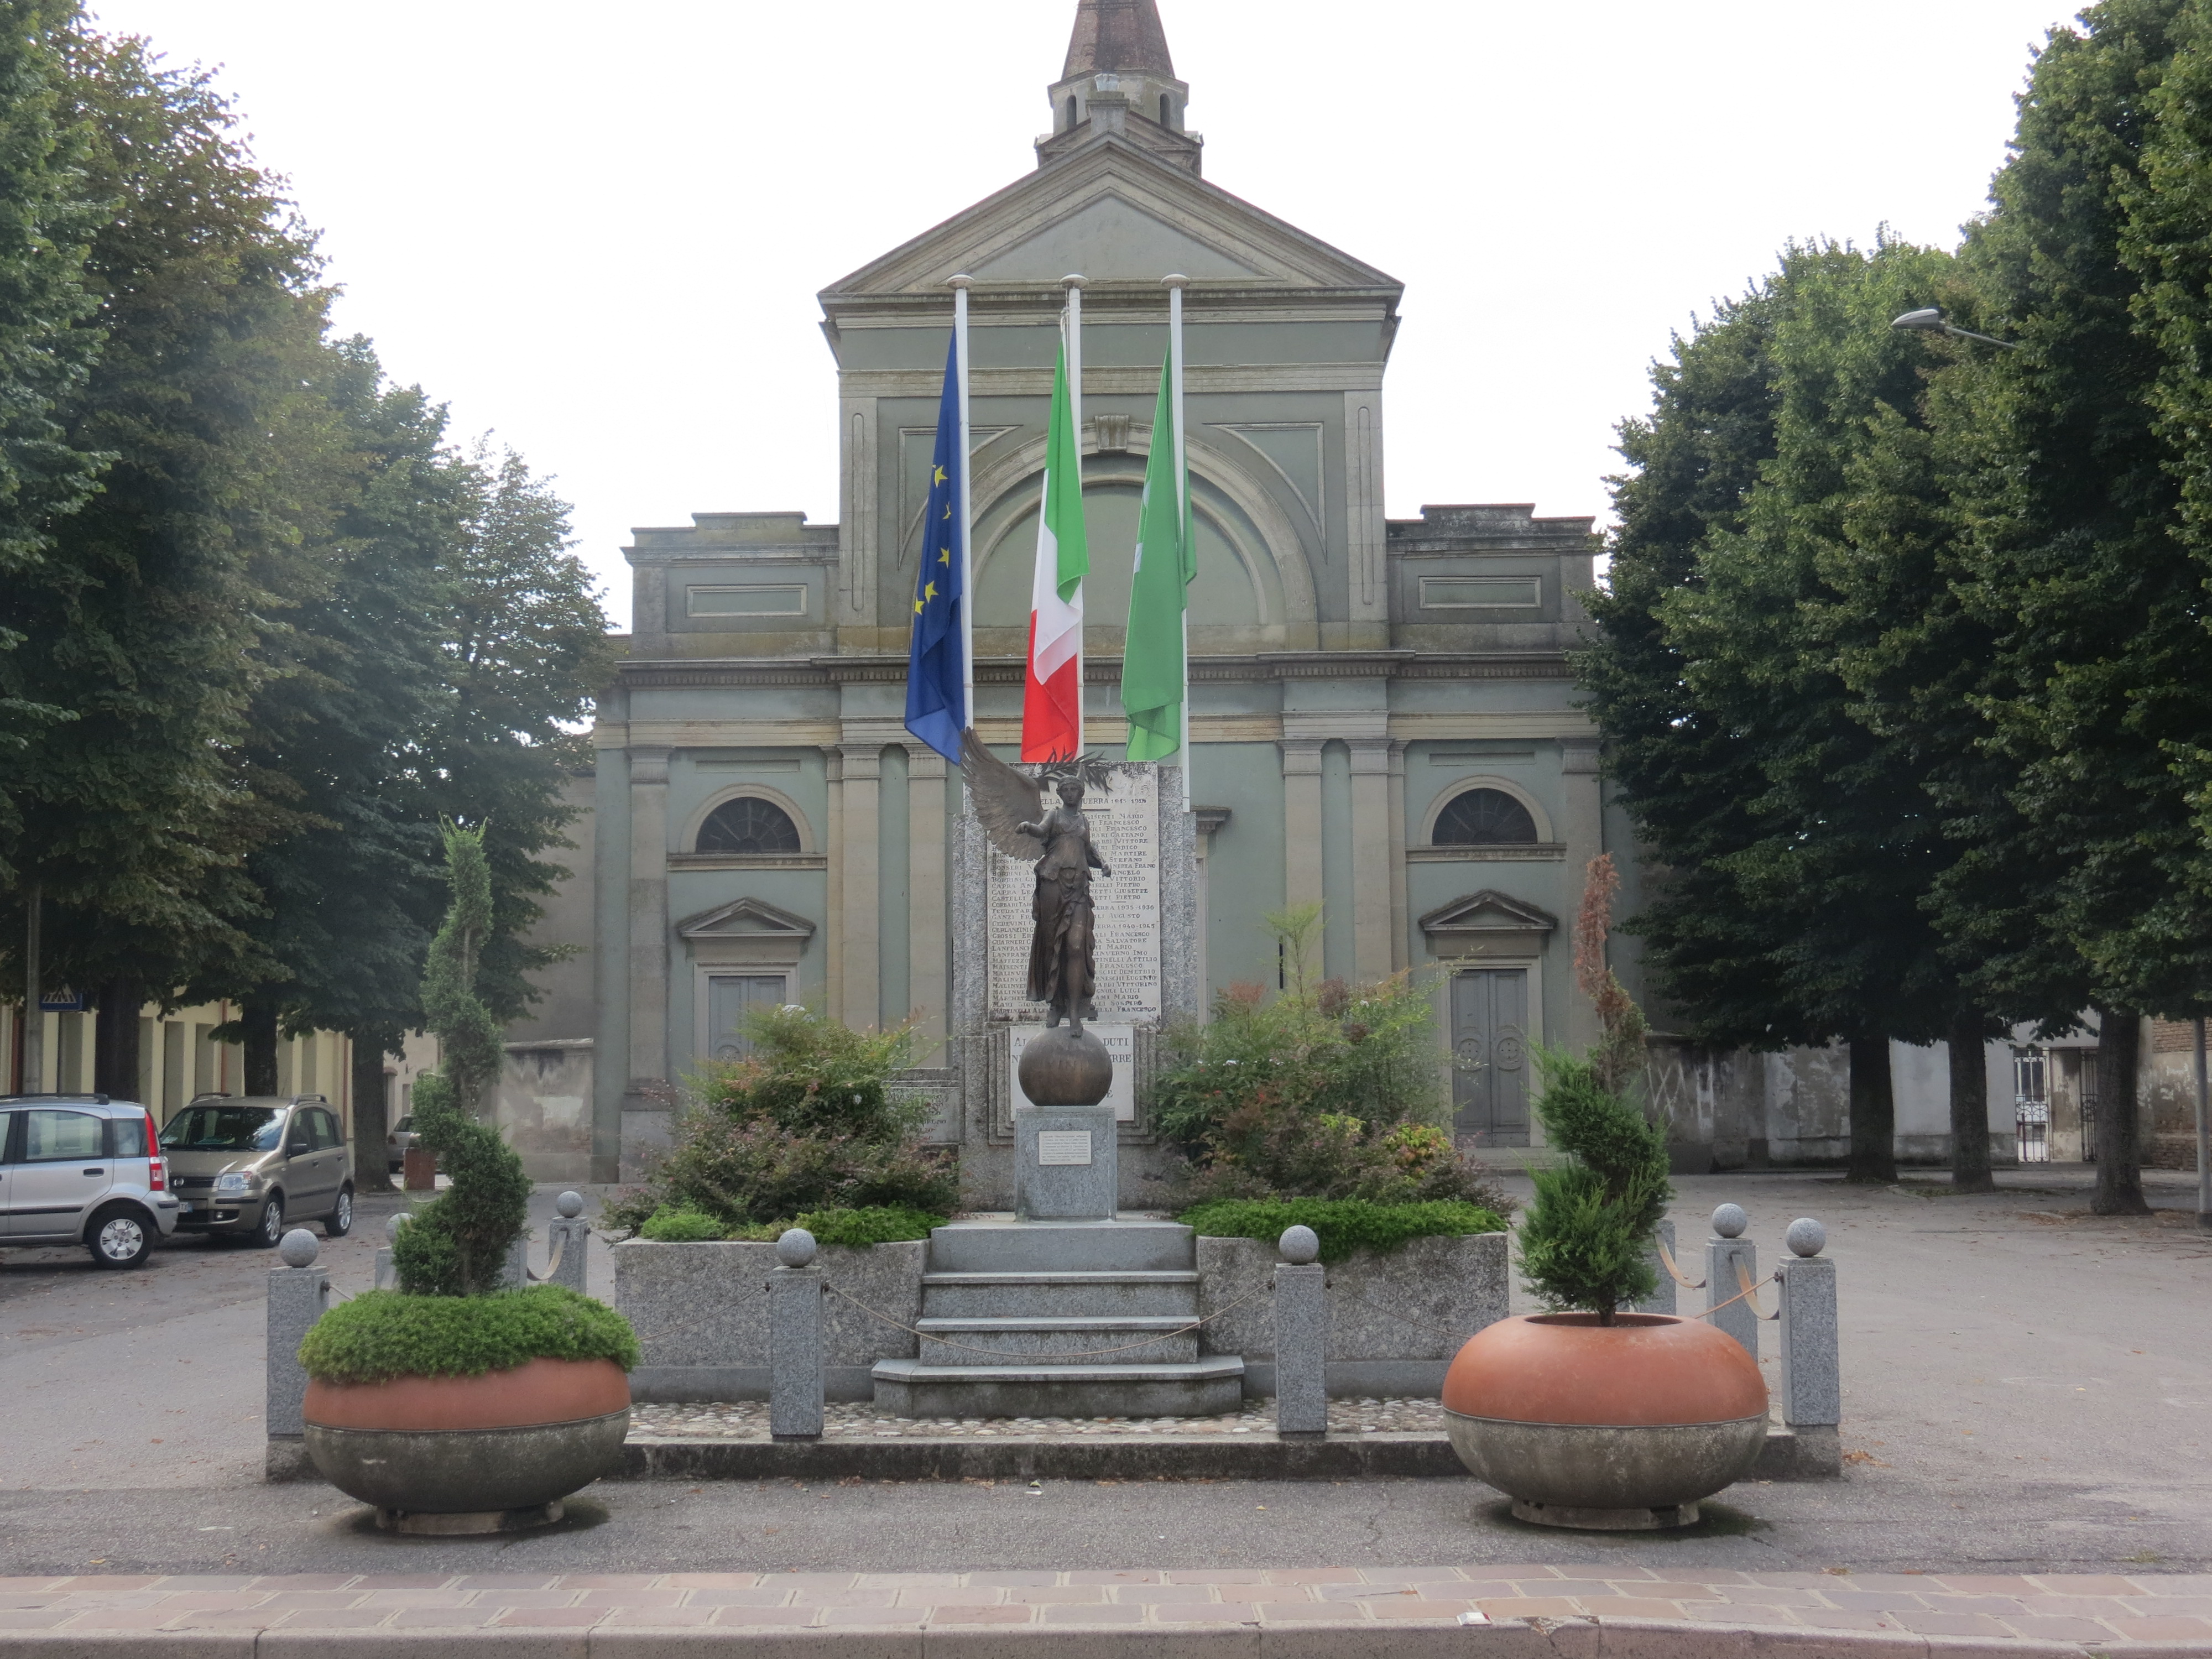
x: 807, y: 1122
x: 1334, y: 1093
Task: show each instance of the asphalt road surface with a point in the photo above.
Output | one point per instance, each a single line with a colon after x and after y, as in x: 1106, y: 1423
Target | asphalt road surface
x: 2025, y: 1387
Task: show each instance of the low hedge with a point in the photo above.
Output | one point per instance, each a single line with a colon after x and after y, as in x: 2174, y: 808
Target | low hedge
x: 381, y: 1335
x: 1343, y: 1225
x: 855, y: 1227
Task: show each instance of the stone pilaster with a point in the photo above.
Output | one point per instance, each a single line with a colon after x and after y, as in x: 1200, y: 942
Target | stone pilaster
x: 1373, y: 847
x: 648, y: 924
x: 926, y: 917
x: 1401, y: 950
x: 859, y: 838
x: 1302, y: 882
x: 833, y: 954
x: 1365, y: 533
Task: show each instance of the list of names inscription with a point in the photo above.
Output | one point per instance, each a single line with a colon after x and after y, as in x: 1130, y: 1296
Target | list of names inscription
x: 1125, y: 828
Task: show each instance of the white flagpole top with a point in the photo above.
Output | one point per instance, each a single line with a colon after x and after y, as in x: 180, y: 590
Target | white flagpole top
x: 1175, y: 279
x: 1074, y: 281
x: 962, y: 279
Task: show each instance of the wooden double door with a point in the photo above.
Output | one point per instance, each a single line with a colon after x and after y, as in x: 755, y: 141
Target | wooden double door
x: 1490, y: 1041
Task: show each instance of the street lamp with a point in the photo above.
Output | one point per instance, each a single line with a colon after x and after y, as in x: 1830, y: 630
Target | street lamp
x: 1931, y: 320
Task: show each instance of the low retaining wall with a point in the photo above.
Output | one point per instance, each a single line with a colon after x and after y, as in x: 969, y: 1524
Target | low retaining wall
x: 700, y: 1314
x: 1395, y: 1318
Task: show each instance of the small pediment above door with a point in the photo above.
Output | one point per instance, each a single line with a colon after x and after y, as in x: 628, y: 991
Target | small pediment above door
x: 1485, y: 918
x: 745, y: 918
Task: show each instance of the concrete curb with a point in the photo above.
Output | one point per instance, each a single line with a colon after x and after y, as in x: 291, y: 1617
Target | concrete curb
x: 1512, y: 1639
x: 1164, y: 1457
x: 1786, y: 1456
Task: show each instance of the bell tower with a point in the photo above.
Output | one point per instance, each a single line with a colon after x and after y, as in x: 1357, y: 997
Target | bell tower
x: 1119, y: 78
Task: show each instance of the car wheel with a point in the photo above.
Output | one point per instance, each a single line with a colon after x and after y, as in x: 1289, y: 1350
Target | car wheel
x: 339, y: 1222
x: 119, y: 1236
x: 271, y: 1230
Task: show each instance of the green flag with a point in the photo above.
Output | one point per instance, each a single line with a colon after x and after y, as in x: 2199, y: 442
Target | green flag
x: 1154, y: 676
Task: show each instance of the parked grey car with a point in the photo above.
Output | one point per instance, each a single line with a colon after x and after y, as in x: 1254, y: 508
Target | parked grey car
x: 83, y: 1169
x: 244, y: 1167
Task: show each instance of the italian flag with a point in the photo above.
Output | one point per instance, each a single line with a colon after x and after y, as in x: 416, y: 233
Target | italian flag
x: 1052, y: 688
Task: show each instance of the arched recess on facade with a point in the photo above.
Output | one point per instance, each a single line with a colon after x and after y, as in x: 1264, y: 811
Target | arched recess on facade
x: 1506, y: 786
x: 1225, y: 499
x: 809, y: 843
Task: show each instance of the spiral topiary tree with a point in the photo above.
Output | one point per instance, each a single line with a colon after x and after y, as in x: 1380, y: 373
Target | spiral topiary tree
x: 458, y: 1244
x: 1586, y: 1242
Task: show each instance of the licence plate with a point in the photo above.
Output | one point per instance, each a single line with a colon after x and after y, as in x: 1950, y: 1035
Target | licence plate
x: 184, y: 1209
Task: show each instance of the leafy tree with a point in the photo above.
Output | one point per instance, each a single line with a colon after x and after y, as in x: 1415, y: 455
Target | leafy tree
x: 138, y: 624
x: 1798, y: 843
x: 47, y: 217
x: 1586, y: 1241
x: 2069, y: 460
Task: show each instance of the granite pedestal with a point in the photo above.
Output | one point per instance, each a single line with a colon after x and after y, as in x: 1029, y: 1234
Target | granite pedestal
x: 1067, y: 1163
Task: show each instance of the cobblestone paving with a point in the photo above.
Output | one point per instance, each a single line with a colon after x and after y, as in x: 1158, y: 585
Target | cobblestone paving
x: 2092, y: 1609
x: 747, y: 1420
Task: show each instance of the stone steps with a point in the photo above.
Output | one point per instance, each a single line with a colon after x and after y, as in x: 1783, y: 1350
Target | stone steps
x: 1042, y: 1297
x: 1048, y: 1295
x: 1139, y: 1341
x: 1204, y: 1389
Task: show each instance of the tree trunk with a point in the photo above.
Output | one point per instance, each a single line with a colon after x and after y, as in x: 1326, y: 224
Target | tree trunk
x: 1874, y: 1112
x: 372, y: 1168
x: 259, y: 1021
x: 115, y: 1040
x: 1970, y: 1105
x: 2119, y: 1168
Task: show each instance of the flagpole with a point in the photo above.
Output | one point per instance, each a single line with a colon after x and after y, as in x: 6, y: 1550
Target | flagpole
x: 1073, y: 284
x: 960, y: 285
x: 1175, y: 283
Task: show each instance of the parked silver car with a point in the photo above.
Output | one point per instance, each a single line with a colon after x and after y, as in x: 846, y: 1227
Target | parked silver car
x: 244, y: 1166
x: 83, y: 1169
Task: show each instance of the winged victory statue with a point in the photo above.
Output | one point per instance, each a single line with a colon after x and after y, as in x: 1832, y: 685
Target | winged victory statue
x: 1063, y: 959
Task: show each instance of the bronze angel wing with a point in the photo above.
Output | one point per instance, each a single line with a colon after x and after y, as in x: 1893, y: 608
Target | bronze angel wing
x: 1004, y: 798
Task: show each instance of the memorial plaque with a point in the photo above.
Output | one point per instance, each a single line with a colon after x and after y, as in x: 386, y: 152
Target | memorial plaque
x: 1125, y: 828
x: 1064, y: 1146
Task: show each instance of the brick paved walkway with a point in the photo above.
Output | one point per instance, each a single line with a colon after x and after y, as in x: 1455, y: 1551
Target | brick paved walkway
x: 2094, y: 1611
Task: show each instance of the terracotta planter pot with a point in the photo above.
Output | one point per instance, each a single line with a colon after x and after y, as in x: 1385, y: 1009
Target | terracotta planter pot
x: 470, y: 1454
x: 1608, y: 1427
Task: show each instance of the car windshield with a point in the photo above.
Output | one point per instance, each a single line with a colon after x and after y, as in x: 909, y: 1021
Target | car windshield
x: 224, y: 1129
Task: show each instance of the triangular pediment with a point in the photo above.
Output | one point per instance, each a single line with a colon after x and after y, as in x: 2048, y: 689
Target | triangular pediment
x: 1109, y: 239
x: 1113, y: 213
x: 745, y: 918
x: 1488, y: 912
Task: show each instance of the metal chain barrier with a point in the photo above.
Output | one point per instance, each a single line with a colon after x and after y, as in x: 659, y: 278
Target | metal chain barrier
x: 1667, y: 1256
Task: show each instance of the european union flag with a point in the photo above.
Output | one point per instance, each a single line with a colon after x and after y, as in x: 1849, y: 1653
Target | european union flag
x: 936, y: 675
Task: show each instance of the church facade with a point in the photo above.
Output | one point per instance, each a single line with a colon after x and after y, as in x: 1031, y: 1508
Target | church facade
x: 1382, y: 718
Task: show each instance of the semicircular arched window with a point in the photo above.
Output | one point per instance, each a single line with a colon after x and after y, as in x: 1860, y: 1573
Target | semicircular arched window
x: 1485, y: 818
x: 749, y: 824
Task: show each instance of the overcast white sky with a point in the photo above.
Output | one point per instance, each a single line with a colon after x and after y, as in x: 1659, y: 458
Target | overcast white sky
x: 598, y: 231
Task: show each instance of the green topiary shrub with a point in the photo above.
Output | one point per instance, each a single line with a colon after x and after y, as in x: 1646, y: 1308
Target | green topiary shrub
x: 458, y: 1244
x: 381, y: 1335
x: 669, y: 1226
x: 808, y: 1122
x: 875, y: 1224
x: 1586, y: 1241
x: 1342, y: 1225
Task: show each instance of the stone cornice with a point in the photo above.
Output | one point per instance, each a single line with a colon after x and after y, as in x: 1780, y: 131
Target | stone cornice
x: 884, y: 670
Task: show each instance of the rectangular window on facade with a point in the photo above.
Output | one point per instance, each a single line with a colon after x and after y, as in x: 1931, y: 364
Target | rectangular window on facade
x: 745, y: 601
x: 1481, y: 592
x: 204, y: 1067
x: 173, y: 1067
x: 69, y: 1055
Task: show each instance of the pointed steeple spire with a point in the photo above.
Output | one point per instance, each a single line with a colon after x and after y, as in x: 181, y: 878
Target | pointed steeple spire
x: 1122, y: 35
x: 1120, y: 79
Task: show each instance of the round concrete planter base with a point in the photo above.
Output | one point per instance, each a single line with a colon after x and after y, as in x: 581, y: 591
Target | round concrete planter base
x: 1589, y: 1520
x: 469, y: 1523
x: 426, y: 1475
